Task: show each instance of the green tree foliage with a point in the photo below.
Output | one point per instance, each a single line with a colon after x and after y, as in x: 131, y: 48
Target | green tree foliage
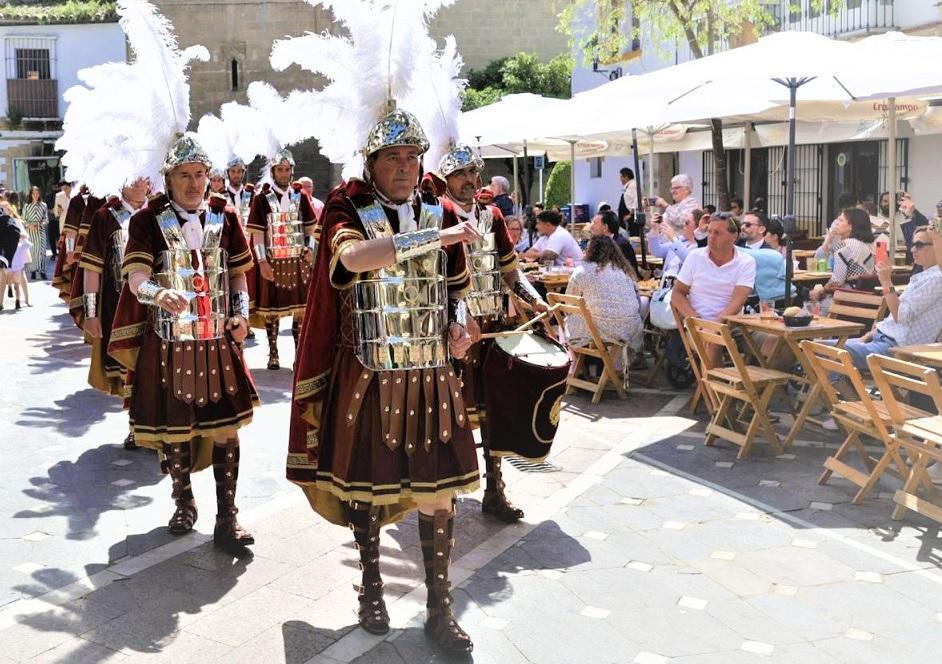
x: 559, y: 185
x: 523, y: 72
x: 601, y: 30
x: 58, y: 11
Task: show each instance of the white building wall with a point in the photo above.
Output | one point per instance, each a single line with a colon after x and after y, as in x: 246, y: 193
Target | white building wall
x: 77, y: 47
x: 910, y: 14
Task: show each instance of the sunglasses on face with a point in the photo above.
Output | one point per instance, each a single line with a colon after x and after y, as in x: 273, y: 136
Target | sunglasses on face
x: 747, y: 224
x: 917, y: 245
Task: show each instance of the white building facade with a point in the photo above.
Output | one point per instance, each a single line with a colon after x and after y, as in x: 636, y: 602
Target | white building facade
x: 846, y: 164
x: 41, y: 62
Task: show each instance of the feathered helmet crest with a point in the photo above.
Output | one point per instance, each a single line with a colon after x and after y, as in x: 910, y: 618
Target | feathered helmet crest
x: 389, y: 83
x: 113, y: 139
x: 458, y: 158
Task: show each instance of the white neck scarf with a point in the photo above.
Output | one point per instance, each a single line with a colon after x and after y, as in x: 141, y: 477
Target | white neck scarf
x: 192, y: 227
x: 284, y: 197
x: 403, y: 210
x: 460, y: 211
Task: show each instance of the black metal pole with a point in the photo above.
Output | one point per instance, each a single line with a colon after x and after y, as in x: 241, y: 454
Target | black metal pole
x: 640, y: 220
x: 793, y: 84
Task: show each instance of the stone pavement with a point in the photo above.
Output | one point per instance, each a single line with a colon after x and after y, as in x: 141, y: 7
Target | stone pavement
x: 642, y: 546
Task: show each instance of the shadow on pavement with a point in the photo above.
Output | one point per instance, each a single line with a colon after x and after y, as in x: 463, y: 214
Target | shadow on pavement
x: 142, y: 613
x: 789, y: 484
x: 303, y: 641
x: 82, y: 490
x: 74, y: 415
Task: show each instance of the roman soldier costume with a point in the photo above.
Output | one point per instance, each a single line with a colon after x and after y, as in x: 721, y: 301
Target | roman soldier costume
x: 281, y: 222
x: 240, y: 197
x: 69, y: 245
x: 492, y: 263
x: 183, y: 307
x: 378, y: 421
x: 102, y: 255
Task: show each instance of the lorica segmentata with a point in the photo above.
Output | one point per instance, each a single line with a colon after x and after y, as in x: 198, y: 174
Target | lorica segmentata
x: 201, y: 275
x: 285, y: 232
x: 401, y: 311
x: 119, y: 241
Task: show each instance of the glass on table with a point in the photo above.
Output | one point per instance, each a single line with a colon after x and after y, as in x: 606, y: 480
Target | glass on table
x: 813, y: 307
x: 767, y: 309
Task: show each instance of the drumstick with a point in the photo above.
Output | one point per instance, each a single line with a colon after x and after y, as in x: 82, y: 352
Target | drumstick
x: 523, y: 328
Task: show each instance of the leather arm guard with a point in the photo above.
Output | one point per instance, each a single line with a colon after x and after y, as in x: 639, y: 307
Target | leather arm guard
x: 526, y: 292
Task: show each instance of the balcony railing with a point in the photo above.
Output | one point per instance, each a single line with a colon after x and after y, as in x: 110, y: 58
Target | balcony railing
x: 33, y: 99
x: 853, y: 16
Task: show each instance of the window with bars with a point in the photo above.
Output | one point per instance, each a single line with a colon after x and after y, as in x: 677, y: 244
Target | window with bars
x: 32, y: 89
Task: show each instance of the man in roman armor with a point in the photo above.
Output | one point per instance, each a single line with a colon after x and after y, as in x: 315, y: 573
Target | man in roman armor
x: 179, y: 327
x: 281, y: 224
x: 492, y: 263
x: 379, y: 426
x: 98, y: 283
x: 238, y: 191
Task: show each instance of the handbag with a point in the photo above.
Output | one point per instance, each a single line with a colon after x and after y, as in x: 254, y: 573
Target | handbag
x: 661, y: 314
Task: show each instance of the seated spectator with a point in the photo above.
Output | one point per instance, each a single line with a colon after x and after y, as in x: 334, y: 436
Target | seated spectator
x: 833, y: 240
x: 770, y: 274
x: 775, y: 235
x: 604, y: 279
x: 555, y: 245
x: 735, y: 207
x: 915, y: 316
x: 665, y: 243
x: 606, y: 223
x: 520, y: 239
x: 715, y: 281
x: 678, y: 212
x: 709, y: 209
x: 854, y: 260
x: 754, y: 227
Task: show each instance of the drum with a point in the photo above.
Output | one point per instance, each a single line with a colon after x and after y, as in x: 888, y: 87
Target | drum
x: 524, y: 382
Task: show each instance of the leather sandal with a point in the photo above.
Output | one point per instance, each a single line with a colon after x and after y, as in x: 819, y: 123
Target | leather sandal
x: 183, y: 519
x: 496, y: 504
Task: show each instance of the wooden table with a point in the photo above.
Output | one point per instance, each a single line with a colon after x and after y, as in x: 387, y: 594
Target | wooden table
x: 810, y: 277
x: 555, y: 282
x: 803, y: 255
x: 789, y: 338
x: 929, y: 355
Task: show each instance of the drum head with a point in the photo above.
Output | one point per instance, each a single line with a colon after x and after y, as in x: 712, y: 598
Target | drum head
x: 533, y: 349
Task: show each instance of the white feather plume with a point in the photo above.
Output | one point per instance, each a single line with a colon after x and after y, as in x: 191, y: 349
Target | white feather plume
x: 123, y: 117
x: 386, y: 53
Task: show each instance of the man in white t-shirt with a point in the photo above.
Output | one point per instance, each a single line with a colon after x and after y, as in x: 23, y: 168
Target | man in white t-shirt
x: 715, y: 281
x: 555, y: 245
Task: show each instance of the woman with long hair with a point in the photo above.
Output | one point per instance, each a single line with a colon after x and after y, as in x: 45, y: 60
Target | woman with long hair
x: 855, y: 258
x: 604, y: 280
x: 35, y: 218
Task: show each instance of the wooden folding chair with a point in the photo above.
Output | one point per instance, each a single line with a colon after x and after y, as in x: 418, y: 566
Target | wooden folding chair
x: 607, y: 353
x: 859, y: 307
x: 918, y: 432
x: 751, y: 386
x: 861, y: 417
x: 701, y: 392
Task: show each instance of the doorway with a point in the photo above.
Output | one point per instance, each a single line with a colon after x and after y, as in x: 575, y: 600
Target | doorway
x: 854, y: 168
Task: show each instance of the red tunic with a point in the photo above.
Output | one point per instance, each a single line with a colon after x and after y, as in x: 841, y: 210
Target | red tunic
x: 345, y: 443
x: 63, y: 274
x: 286, y: 295
x: 158, y: 415
x: 473, y: 384
x: 98, y: 256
